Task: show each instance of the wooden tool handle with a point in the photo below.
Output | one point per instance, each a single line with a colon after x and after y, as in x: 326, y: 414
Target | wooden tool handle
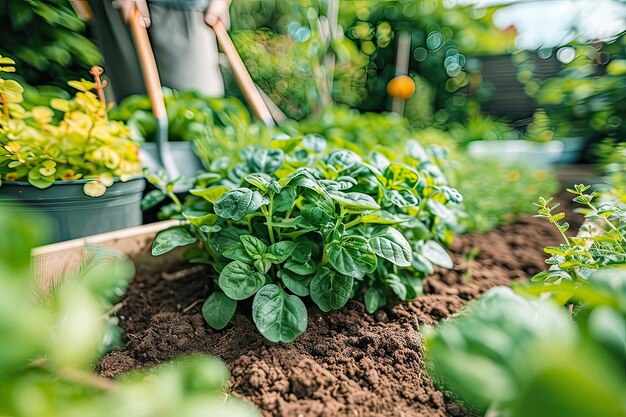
x: 148, y: 65
x: 82, y: 9
x: 245, y: 82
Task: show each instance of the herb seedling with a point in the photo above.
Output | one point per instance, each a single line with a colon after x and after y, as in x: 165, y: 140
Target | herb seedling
x: 600, y: 243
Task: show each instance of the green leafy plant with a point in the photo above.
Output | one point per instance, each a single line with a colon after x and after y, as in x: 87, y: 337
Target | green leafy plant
x: 39, y: 146
x: 585, y: 99
x: 50, y: 44
x: 600, y: 243
x: 190, y: 115
x: 515, y: 356
x: 367, y: 130
x: 307, y: 217
x: 49, y: 347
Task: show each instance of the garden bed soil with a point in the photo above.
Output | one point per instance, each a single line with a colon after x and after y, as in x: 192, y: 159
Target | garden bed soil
x: 347, y: 363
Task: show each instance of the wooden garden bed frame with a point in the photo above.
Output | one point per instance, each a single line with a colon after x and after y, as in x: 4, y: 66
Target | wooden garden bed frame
x: 53, y: 263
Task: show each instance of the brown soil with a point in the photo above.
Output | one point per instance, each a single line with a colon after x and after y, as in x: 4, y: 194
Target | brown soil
x: 347, y: 363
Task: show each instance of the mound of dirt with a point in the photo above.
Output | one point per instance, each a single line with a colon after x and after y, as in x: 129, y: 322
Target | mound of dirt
x: 348, y: 363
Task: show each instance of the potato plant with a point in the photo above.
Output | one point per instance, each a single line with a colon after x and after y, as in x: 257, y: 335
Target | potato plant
x: 307, y: 218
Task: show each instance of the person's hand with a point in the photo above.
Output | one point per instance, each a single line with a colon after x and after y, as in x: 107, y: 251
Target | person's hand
x: 126, y: 8
x: 218, y: 10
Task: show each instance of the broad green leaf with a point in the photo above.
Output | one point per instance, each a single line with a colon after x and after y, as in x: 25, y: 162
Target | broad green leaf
x: 43, y: 184
x: 345, y: 182
x: 342, y: 183
x: 352, y: 256
x: 274, y: 187
x: 239, y: 281
x: 259, y: 180
x: 151, y: 199
x: 303, y: 250
x: 204, y: 220
x: 255, y: 247
x: 421, y: 264
x: 331, y: 232
x: 211, y: 194
x: 285, y: 199
x: 263, y: 265
x: 300, y: 178
x: 402, y: 198
x: 302, y: 268
x: 445, y: 214
x: 285, y: 142
x: 315, y: 216
x: 416, y: 151
x: 210, y: 229
x: 208, y: 178
x: 239, y: 203
x: 400, y: 177
x: 280, y: 251
x: 390, y: 244
x: 329, y: 290
x: 237, y: 252
x: 218, y: 309
x: 374, y: 299
x: 343, y: 159
x: 354, y: 202
x: 379, y: 161
x: 265, y: 160
x: 437, y: 254
x: 396, y: 285
x: 321, y: 199
x: 171, y: 238
x: 413, y: 285
x: 314, y: 142
x: 278, y: 316
x: 451, y: 194
x: 298, y: 284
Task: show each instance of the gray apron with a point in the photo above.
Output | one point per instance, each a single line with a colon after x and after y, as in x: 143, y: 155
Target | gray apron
x: 184, y: 47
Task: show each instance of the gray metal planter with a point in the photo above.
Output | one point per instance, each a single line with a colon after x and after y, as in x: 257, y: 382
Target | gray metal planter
x: 74, y: 214
x: 187, y: 163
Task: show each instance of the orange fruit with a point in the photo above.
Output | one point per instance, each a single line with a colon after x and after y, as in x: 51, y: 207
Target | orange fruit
x: 401, y: 86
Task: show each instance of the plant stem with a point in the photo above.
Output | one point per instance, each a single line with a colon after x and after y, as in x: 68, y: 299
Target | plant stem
x: 175, y: 199
x: 354, y: 222
x: 268, y: 218
x: 324, y: 257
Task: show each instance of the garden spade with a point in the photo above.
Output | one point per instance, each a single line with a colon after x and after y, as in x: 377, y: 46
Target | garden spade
x: 164, y: 156
x: 244, y: 81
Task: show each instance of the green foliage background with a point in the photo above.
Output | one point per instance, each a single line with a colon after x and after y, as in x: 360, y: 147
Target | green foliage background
x: 49, y: 43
